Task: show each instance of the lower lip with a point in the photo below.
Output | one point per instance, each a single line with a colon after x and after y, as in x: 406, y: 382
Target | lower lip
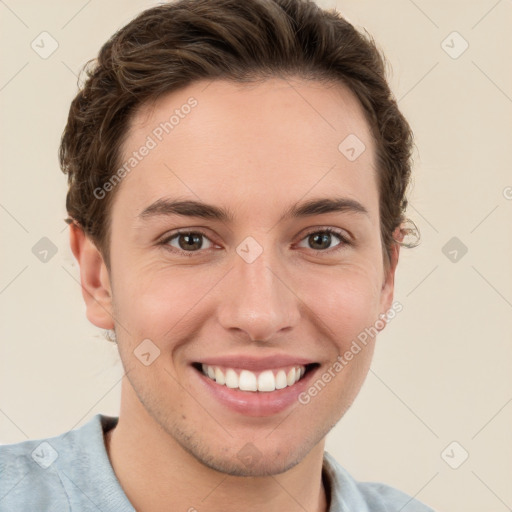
x: 256, y: 403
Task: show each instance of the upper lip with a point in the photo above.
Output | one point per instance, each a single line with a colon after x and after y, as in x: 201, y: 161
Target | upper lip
x: 245, y: 362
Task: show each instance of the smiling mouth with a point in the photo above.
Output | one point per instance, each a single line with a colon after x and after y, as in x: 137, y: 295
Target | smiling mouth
x: 265, y: 381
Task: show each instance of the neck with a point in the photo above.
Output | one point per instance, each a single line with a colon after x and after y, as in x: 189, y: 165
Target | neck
x: 157, y: 474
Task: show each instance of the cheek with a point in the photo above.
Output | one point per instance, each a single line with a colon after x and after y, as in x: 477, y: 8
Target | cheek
x: 346, y: 302
x: 159, y: 302
x: 163, y: 302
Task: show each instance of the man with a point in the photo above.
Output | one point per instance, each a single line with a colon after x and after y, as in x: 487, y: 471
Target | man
x: 237, y: 176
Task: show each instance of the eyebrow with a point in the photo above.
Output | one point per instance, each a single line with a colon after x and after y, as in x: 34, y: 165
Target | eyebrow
x: 190, y: 208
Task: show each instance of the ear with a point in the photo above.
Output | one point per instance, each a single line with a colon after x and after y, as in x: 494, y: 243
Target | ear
x: 388, y: 286
x: 94, y: 278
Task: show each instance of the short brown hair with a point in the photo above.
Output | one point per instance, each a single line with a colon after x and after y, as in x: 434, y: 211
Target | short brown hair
x: 167, y: 47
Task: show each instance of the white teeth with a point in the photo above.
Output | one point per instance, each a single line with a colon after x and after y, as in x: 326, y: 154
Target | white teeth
x: 219, y: 376
x: 247, y: 381
x: 266, y: 381
x: 231, y: 379
x: 281, y: 379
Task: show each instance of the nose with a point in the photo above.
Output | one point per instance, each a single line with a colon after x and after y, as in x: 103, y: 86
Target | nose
x: 258, y: 299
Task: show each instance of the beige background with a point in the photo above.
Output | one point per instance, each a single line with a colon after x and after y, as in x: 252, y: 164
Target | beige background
x: 442, y: 369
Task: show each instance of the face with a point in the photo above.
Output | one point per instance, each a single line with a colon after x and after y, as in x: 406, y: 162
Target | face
x: 272, y: 281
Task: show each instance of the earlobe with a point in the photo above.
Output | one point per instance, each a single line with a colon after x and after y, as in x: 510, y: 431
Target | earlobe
x: 94, y: 278
x: 388, y: 286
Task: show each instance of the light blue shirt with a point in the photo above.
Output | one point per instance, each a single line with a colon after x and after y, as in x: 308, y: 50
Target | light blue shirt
x: 72, y: 472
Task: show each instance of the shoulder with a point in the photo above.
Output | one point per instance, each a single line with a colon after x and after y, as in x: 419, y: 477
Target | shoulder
x: 38, y: 474
x: 28, y: 476
x: 350, y: 494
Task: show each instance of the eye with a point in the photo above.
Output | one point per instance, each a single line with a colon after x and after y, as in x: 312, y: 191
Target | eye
x: 188, y: 242
x: 320, y: 240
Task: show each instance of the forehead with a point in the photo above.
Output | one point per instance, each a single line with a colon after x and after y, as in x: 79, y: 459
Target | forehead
x: 226, y: 141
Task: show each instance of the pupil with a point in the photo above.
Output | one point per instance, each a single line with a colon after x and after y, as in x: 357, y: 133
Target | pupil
x: 323, y: 238
x: 191, y: 240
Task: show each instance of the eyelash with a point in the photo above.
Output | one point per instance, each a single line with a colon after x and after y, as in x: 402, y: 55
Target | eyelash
x: 344, y: 241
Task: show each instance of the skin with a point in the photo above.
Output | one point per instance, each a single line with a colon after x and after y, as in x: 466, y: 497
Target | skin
x: 171, y: 445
